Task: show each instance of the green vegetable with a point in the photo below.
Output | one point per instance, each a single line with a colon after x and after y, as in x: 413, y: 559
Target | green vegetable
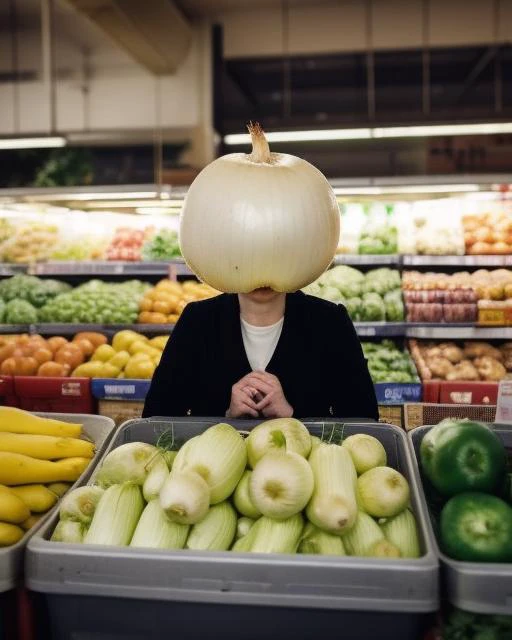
x: 366, y: 539
x: 156, y: 531
x: 402, y: 531
x: 462, y: 625
x: 460, y: 455
x: 372, y: 309
x: 69, y: 531
x: 216, y: 531
x: 116, y: 515
x: 273, y: 536
x: 318, y: 542
x: 80, y: 504
x: 477, y: 527
x: 20, y: 312
x: 164, y: 245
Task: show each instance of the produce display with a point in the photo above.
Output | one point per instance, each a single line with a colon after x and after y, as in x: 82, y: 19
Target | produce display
x: 280, y: 490
x: 131, y: 355
x: 33, y: 355
x: 165, y: 302
x: 471, y: 360
x: 372, y: 297
x: 378, y: 237
x: 126, y: 245
x: 76, y: 250
x: 31, y: 242
x: 163, y: 245
x: 464, y: 467
x: 39, y: 459
x: 388, y: 363
x: 96, y: 302
x: 489, y: 233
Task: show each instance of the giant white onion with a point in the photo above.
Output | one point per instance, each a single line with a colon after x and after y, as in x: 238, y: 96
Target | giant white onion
x: 259, y: 220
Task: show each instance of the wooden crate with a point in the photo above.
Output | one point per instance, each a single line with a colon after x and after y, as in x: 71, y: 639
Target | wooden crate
x: 120, y: 410
x: 417, y: 414
x: 391, y: 414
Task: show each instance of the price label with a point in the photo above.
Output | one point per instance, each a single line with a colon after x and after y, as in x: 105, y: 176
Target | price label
x: 367, y: 332
x: 504, y: 407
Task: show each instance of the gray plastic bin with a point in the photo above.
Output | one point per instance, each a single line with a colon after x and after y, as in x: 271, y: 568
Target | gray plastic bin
x: 96, y: 592
x: 96, y: 428
x: 473, y: 586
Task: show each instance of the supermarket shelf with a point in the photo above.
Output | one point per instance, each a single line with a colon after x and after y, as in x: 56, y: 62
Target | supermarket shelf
x: 456, y: 332
x: 105, y: 268
x: 7, y: 329
x: 379, y: 329
x: 69, y: 329
x: 456, y: 261
x: 7, y: 269
x: 367, y: 260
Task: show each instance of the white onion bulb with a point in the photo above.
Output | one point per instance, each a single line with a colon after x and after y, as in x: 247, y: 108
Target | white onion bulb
x: 259, y: 220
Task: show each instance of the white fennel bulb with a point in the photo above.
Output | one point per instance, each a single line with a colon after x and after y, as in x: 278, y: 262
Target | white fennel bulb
x: 259, y: 220
x: 366, y: 451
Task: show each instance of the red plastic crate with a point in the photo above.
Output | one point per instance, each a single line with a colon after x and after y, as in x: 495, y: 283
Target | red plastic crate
x: 7, y: 392
x: 468, y: 392
x: 57, y: 395
x: 431, y: 391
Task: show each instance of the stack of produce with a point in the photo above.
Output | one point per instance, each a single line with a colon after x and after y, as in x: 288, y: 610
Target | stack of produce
x: 430, y: 228
x: 127, y: 243
x: 164, y: 303
x: 371, y: 297
x: 387, y: 363
x: 32, y: 242
x: 379, y: 236
x: 471, y: 361
x: 39, y: 459
x: 464, y: 468
x: 97, y: 302
x: 75, y: 250
x: 278, y: 491
x: 488, y: 234
x: 164, y: 245
x: 437, y: 297
x: 22, y: 296
x: 131, y: 355
x: 31, y: 355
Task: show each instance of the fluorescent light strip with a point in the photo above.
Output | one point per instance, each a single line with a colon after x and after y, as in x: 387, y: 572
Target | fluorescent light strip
x: 132, y: 204
x: 377, y: 132
x: 419, y: 189
x: 32, y: 143
x: 302, y: 136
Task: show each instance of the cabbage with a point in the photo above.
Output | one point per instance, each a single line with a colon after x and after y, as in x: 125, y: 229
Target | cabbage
x: 373, y: 309
x: 331, y: 293
x: 353, y: 306
x: 394, y: 306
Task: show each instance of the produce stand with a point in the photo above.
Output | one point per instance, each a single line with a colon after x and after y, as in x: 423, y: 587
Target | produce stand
x: 90, y: 592
x: 472, y: 586
x: 96, y: 428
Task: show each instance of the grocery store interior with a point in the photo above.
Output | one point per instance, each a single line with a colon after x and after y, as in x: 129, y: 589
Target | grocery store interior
x: 110, y: 110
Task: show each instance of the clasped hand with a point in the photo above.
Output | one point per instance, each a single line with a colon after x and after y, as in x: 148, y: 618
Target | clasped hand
x: 259, y: 393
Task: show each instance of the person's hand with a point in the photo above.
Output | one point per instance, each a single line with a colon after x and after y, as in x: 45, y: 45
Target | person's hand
x: 270, y: 400
x: 243, y: 400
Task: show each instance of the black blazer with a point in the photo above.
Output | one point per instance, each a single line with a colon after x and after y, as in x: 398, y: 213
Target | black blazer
x: 318, y: 360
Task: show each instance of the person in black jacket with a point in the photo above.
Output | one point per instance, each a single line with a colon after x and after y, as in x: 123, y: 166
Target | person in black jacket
x: 263, y: 354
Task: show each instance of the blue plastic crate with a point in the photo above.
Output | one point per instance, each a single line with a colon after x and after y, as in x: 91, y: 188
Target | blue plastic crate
x: 115, y: 389
x: 398, y: 392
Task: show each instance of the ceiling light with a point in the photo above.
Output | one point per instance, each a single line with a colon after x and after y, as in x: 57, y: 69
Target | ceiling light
x: 32, y: 143
x: 302, y: 136
x: 421, y: 131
